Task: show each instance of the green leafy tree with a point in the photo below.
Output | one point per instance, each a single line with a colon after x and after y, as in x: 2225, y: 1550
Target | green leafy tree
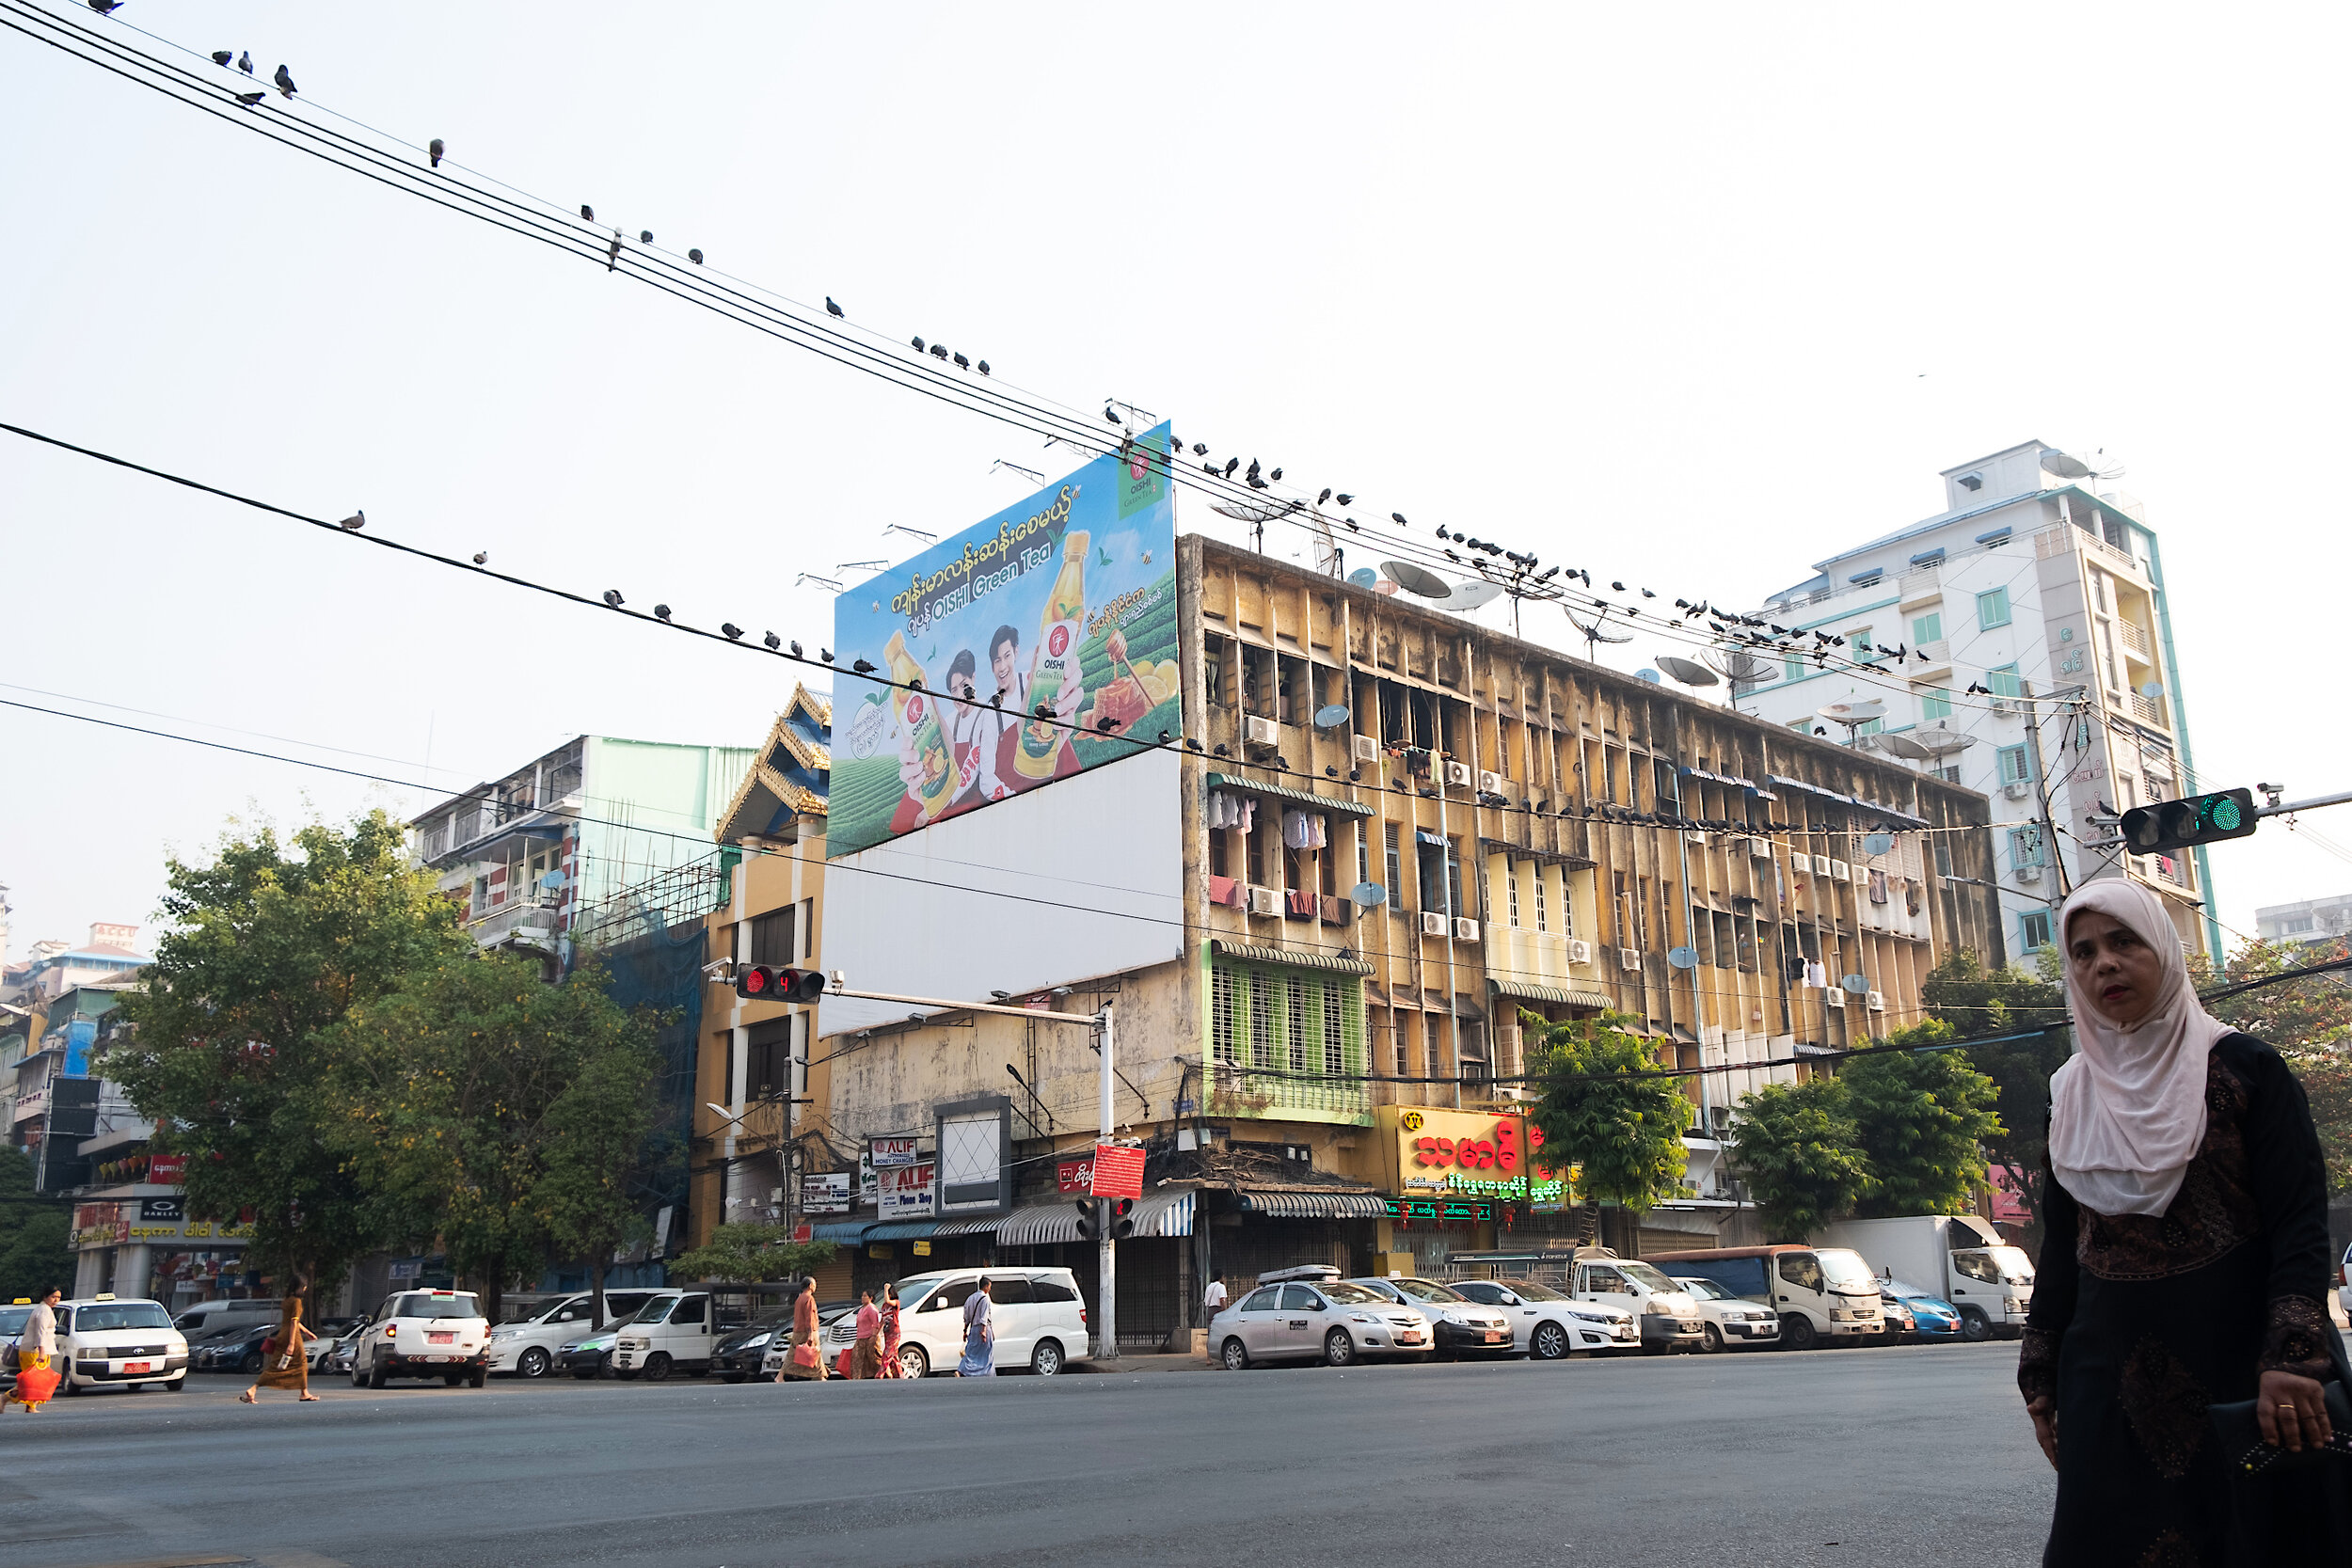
x: 271, y: 942
x: 452, y: 1099
x: 599, y: 1155
x: 1597, y: 1111
x: 35, y: 1233
x: 1800, y: 1155
x: 748, y: 1254
x: 2025, y: 1012
x: 1924, y: 1116
x: 2308, y: 1020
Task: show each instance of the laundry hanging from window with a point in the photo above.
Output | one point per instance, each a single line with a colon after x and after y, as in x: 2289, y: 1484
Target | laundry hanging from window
x: 1231, y: 811
x: 1302, y: 830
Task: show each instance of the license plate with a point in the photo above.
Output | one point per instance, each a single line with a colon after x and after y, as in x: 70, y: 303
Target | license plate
x: 449, y: 1339
x: 1493, y: 1337
x: 138, y: 1367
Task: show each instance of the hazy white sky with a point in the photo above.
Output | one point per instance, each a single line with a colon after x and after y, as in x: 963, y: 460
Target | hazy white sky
x: 1689, y: 300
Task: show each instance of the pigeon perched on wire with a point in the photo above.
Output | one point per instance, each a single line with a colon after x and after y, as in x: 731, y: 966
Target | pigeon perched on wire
x: 1276, y: 474
x: 918, y: 345
x: 662, y: 612
x: 1346, y: 500
x: 587, y: 213
x: 222, y: 56
x: 245, y: 63
x: 612, y: 598
x: 1325, y: 496
x: 939, y: 351
x: 862, y: 667
x: 695, y: 257
x: 645, y: 236
x: 825, y: 654
x: 961, y: 363
x: 733, y: 633
x: 1112, y: 415
x: 249, y: 99
x: 285, y: 82
x: 1231, y: 463
x: 354, y: 523
x: 482, y: 557
x: 981, y: 367
x: 105, y: 7
x: 833, y: 309
x: 1200, y: 449
x: 435, y: 150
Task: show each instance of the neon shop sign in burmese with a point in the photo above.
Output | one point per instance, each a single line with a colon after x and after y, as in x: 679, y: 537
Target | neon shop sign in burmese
x: 1475, y: 1156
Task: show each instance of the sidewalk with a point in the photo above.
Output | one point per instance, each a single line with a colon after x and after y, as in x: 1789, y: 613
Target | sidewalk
x: 1147, y: 1361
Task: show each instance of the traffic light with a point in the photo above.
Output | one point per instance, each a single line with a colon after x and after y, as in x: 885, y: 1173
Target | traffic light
x: 2199, y: 819
x: 766, y: 982
x: 1086, y: 1219
x: 1122, y: 1221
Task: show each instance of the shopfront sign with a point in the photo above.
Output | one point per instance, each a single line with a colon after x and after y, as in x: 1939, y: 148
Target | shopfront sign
x: 1075, y: 1175
x: 99, y: 1224
x: 825, y: 1193
x: 1431, y: 1211
x: 161, y: 1210
x: 888, y: 1152
x: 1117, y: 1171
x: 1496, y: 1156
x: 167, y: 1170
x: 907, y: 1192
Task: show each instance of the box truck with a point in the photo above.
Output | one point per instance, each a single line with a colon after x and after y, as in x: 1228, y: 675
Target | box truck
x: 1957, y: 1256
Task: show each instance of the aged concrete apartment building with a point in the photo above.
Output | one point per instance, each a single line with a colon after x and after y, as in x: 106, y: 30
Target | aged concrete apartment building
x: 1548, y: 839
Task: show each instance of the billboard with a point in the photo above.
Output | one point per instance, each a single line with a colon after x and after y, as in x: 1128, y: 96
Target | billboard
x: 1065, y: 601
x: 908, y: 1191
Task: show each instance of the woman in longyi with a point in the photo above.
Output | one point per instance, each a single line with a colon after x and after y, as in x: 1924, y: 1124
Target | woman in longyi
x: 285, y: 1357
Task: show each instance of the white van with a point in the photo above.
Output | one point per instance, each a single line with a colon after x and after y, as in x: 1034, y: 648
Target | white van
x: 673, y: 1332
x: 1041, y: 1322
x: 212, y: 1316
x: 1820, y: 1292
x: 528, y: 1349
x: 128, y: 1343
x: 1668, y: 1318
x: 1960, y: 1257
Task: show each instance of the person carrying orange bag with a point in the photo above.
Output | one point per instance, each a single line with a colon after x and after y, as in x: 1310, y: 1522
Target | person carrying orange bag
x: 35, y: 1379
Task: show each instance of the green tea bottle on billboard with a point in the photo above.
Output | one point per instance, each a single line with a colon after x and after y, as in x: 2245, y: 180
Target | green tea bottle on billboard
x: 1058, y: 634
x: 918, y: 713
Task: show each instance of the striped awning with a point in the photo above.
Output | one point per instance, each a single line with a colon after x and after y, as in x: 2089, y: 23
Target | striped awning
x: 1287, y: 1204
x: 969, y: 1228
x: 1252, y: 953
x: 1039, y: 1225
x: 1283, y: 792
x: 1527, y: 991
x: 1163, y: 1214
x: 839, y: 1231
x: 902, y: 1230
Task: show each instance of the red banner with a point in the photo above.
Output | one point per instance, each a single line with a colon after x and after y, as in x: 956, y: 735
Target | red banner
x: 1074, y: 1176
x: 167, y: 1170
x: 1118, y: 1172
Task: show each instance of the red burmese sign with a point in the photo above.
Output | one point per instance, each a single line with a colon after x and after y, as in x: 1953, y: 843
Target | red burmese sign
x: 1118, y: 1172
x: 1074, y: 1176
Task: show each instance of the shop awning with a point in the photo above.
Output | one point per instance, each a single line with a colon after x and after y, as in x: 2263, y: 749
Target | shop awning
x: 1285, y: 1203
x: 1252, y: 953
x: 1528, y: 992
x: 1163, y: 1214
x: 902, y: 1230
x: 840, y: 1231
x: 969, y: 1228
x: 1039, y: 1225
x: 1305, y: 797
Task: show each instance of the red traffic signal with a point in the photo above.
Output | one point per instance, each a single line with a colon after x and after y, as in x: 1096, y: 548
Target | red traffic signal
x: 767, y: 983
x: 1122, y: 1217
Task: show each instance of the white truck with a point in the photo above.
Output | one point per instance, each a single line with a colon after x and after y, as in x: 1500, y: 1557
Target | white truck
x: 1958, y: 1256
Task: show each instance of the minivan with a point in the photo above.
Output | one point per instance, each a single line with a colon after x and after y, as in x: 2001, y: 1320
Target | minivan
x: 673, y: 1332
x: 1041, y: 1322
x: 1664, y: 1311
x: 1824, y: 1292
x: 528, y: 1349
x: 210, y: 1317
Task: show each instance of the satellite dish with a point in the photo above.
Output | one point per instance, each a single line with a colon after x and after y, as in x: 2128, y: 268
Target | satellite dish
x: 1853, y: 713
x: 1683, y: 958
x: 1596, y: 632
x: 1856, y: 984
x: 1427, y: 585
x: 1256, y: 511
x: 1385, y: 586
x: 1690, y: 672
x: 1367, y: 895
x: 1877, y: 843
x: 1470, y: 595
x: 2064, y: 465
x: 1902, y: 746
x: 1746, y: 669
x: 1331, y: 718
x: 1651, y: 675
x: 2152, y: 691
x: 1938, y: 739
x: 1363, y: 577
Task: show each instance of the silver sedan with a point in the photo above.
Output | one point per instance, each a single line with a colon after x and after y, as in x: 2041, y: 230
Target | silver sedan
x: 1331, y: 1321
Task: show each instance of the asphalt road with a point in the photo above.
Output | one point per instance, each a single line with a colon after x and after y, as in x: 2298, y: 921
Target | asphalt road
x: 1916, y: 1454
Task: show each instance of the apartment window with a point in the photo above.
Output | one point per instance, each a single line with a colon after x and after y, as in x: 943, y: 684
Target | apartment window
x: 1927, y: 627
x: 1944, y: 850
x: 1223, y: 1007
x: 1791, y: 669
x: 771, y: 936
x: 1949, y: 775
x: 1542, y: 922
x: 1334, y: 1031
x: 1261, y: 1019
x: 2026, y: 846
x: 767, y: 1058
x: 1935, y: 703
x: 2016, y: 764
x: 1992, y: 609
x: 1437, y: 1044
x: 1363, y: 855
x: 1804, y: 725
x: 1859, y: 640
x: 2003, y: 681
x: 2299, y: 925
x: 1294, y: 1021
x: 2033, y: 930
x: 1397, y: 869
x: 1475, y: 1069
x: 1511, y: 888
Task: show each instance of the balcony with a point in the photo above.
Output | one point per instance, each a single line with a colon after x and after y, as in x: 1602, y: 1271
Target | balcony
x: 1237, y: 1091
x: 531, y: 925
x: 2135, y: 641
x: 1917, y: 587
x: 1931, y: 655
x: 2148, y: 711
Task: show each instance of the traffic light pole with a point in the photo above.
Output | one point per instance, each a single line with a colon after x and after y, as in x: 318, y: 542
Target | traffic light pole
x: 1107, y: 1245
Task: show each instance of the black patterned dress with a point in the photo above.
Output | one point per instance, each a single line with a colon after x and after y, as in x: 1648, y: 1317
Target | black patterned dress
x: 2139, y: 1323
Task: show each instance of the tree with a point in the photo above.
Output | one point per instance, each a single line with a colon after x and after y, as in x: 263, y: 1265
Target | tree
x: 272, y: 942
x: 599, y: 1153
x: 453, y: 1099
x: 36, y: 1250
x: 1924, y: 1116
x: 2025, y: 1015
x: 747, y: 1254
x: 2309, y: 1022
x: 1800, y: 1154
x: 1601, y: 1111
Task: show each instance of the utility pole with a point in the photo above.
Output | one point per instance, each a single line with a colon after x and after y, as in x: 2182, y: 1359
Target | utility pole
x: 1106, y: 1244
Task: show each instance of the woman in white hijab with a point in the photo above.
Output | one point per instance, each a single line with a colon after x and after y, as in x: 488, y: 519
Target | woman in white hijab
x: 2185, y: 1264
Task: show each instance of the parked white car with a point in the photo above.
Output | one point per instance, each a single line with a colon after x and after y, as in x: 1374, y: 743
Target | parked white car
x: 1668, y: 1318
x: 672, y: 1333
x: 105, y: 1342
x: 1317, y: 1318
x: 1546, y: 1324
x: 1728, y: 1321
x: 423, y: 1334
x: 1457, y: 1325
x: 530, y: 1348
x: 1041, y: 1322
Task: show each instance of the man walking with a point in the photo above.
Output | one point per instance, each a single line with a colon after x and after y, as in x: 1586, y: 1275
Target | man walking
x: 1213, y: 1299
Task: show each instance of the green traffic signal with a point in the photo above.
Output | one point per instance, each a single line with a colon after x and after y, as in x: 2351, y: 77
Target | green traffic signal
x: 2180, y: 824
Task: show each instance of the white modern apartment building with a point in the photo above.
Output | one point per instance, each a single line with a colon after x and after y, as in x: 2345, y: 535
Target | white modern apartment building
x: 2048, y: 597
x: 2313, y: 920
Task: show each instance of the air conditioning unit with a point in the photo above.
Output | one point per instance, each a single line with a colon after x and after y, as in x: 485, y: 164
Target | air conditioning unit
x: 1457, y: 773
x: 1760, y: 848
x: 1820, y: 865
x: 1260, y: 732
x: 1465, y: 931
x: 1719, y: 1120
x: 1695, y: 835
x: 1432, y: 923
x: 1833, y: 997
x: 1367, y: 749
x: 1266, y: 900
x: 1840, y: 872
x: 1489, y: 781
x: 1630, y: 959
x: 1580, y: 952
x: 1877, y: 1002
x: 2017, y: 789
x: 2030, y: 872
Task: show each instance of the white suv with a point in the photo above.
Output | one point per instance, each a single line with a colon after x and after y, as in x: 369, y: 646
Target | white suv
x: 1041, y: 1322
x: 423, y: 1334
x: 529, y: 1348
x: 128, y: 1343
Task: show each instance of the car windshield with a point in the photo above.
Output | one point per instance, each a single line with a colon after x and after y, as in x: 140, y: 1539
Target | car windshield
x: 1647, y: 1276
x: 438, y: 1305
x: 1427, y: 1289
x: 2016, y: 1268
x: 12, y: 1318
x: 911, y: 1291
x: 656, y: 1309
x: 1345, y: 1295
x: 1534, y: 1291
x: 120, y: 1314
x: 1846, y: 1271
x: 1706, y: 1289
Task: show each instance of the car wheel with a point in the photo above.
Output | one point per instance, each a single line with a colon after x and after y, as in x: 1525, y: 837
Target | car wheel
x: 656, y: 1368
x: 1712, y: 1339
x: 1549, y: 1342
x: 70, y: 1388
x: 1975, y: 1326
x: 376, y: 1374
x: 478, y: 1378
x: 249, y: 1362
x: 1046, y: 1359
x: 176, y: 1384
x: 1338, y: 1349
x: 358, y: 1380
x: 1235, y: 1355
x: 535, y: 1362
x: 730, y: 1377
x: 913, y: 1362
x: 1798, y: 1333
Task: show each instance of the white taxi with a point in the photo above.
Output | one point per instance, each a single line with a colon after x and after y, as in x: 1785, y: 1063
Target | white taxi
x: 423, y: 1334
x: 110, y: 1342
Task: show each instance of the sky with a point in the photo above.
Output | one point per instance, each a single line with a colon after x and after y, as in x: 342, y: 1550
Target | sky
x: 1690, y: 299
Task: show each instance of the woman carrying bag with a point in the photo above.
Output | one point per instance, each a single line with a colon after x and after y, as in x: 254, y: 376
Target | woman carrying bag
x: 36, y: 1352
x: 2179, y: 1365
x: 803, y: 1359
x: 285, y: 1358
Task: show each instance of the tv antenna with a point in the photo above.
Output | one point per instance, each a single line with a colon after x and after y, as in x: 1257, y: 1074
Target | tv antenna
x: 1032, y: 475
x: 1852, y: 716
x: 1690, y: 672
x: 1257, y: 514
x: 1598, y: 632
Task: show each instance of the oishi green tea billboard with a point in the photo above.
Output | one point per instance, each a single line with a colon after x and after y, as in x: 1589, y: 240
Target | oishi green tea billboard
x: 1066, y: 602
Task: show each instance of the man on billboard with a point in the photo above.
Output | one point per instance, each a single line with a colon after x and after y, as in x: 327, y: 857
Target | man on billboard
x: 976, y: 733
x: 1011, y: 704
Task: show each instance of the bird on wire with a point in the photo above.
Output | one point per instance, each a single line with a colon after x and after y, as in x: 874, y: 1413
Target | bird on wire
x: 245, y: 63
x: 1231, y: 463
x: 249, y: 99
x: 1112, y: 415
x: 733, y: 633
x: 862, y: 667
x: 354, y: 523
x: 1276, y: 474
x: 961, y: 363
x: 435, y: 150
x: 222, y: 57
x: 612, y: 598
x: 645, y: 236
x: 1200, y: 449
x: 662, y: 612
x: 939, y: 351
x: 773, y: 642
x: 695, y: 257
x: 285, y: 82
x: 918, y: 345
x: 796, y: 646
x: 1399, y: 518
x: 482, y: 557
x: 1353, y: 525
x: 1346, y: 500
x: 1325, y: 496
x: 833, y: 309
x: 105, y: 7
x: 825, y: 654
x: 981, y: 367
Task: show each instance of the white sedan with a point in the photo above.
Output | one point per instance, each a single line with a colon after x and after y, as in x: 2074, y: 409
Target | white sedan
x: 1546, y: 1325
x: 1728, y: 1321
x: 1332, y: 1321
